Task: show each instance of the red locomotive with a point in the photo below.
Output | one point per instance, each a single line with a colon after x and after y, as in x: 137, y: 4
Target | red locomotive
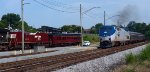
x: 13, y: 40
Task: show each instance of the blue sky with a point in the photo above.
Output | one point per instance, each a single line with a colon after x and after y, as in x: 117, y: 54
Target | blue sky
x: 37, y: 15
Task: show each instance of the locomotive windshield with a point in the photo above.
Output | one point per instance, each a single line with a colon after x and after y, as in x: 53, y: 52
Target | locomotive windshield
x: 106, y: 31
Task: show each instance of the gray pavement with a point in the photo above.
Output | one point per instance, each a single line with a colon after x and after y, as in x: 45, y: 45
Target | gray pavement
x: 60, y: 50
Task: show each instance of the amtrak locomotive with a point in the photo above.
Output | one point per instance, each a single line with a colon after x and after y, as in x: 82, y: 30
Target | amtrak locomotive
x: 115, y: 36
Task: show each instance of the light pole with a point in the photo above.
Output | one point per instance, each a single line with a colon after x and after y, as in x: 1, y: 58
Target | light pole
x: 22, y: 19
x: 104, y: 18
x: 81, y: 18
x: 81, y: 25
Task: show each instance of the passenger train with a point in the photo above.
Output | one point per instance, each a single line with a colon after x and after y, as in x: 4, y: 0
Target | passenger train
x: 111, y: 36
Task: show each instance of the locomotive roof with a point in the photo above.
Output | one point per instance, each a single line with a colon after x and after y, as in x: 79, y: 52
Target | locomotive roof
x: 60, y: 34
x: 133, y: 33
x: 49, y: 29
x: 3, y: 30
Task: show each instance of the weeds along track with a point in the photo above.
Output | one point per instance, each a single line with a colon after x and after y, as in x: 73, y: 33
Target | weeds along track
x: 52, y: 63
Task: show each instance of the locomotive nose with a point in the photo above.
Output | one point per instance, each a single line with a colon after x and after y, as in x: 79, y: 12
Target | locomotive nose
x: 108, y: 38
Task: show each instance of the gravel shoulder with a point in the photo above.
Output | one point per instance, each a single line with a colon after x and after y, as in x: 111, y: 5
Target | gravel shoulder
x: 103, y: 64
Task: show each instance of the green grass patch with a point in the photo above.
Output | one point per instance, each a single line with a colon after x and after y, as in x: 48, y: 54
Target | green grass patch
x: 129, y: 70
x: 134, y: 62
x: 142, y: 56
x: 91, y: 37
x: 130, y: 58
x: 145, y: 54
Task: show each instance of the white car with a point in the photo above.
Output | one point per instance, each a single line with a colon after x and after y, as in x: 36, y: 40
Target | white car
x: 86, y: 43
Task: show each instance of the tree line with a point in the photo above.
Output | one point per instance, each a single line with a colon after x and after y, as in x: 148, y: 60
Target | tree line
x: 77, y: 29
x: 14, y: 21
x: 139, y: 27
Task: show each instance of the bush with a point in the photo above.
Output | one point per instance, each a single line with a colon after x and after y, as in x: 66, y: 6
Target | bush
x: 129, y: 70
x: 145, y: 53
x: 130, y: 58
x: 91, y: 37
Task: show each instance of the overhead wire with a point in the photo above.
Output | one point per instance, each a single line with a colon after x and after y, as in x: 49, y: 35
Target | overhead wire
x: 52, y: 7
x: 92, y: 15
x: 54, y: 3
x: 60, y: 4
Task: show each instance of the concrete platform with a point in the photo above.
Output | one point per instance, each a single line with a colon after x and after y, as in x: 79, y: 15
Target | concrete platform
x: 59, y: 50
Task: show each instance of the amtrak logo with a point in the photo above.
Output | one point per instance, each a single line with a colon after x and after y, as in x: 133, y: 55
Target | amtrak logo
x: 105, y: 32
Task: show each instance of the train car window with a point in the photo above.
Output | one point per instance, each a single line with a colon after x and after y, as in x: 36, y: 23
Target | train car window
x: 128, y: 37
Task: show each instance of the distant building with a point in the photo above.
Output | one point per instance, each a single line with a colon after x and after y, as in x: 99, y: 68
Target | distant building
x: 49, y: 29
x: 87, y: 31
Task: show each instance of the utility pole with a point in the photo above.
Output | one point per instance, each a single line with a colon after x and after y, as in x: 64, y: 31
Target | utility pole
x: 81, y: 25
x: 104, y: 18
x: 22, y: 4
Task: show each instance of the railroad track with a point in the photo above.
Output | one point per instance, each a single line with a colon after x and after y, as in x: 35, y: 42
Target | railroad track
x: 60, y: 61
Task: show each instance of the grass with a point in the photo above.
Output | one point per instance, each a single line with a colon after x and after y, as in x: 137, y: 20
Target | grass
x: 130, y: 58
x: 91, y: 37
x: 129, y: 70
x: 139, y: 61
x: 145, y: 54
x: 142, y: 56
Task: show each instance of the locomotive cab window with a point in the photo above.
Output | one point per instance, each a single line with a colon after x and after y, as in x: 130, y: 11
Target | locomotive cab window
x: 118, y: 29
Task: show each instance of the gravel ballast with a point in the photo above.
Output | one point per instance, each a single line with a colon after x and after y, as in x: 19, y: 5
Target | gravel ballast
x: 103, y: 64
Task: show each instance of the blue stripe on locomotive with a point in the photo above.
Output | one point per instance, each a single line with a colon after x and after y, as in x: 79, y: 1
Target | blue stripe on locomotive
x: 107, y: 31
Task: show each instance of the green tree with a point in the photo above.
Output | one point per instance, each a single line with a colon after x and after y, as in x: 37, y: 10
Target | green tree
x: 11, y: 19
x: 137, y: 27
x: 14, y: 21
x: 26, y: 27
x: 2, y: 25
x: 140, y: 27
x: 95, y: 29
x: 71, y: 28
x: 130, y: 26
x: 147, y: 31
